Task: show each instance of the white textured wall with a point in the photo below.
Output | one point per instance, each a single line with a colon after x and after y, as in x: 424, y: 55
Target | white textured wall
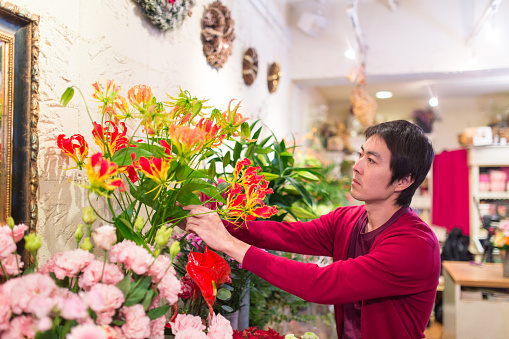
x: 87, y: 40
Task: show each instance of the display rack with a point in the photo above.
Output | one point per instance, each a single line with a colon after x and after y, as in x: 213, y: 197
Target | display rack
x: 478, y: 158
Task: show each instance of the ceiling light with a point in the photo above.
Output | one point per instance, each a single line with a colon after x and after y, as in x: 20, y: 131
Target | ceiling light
x: 350, y: 54
x: 433, y: 102
x: 383, y: 95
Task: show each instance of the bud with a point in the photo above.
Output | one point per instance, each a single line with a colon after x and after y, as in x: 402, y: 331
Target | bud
x: 87, y: 244
x: 174, y: 250
x: 89, y: 215
x: 32, y: 243
x: 163, y: 235
x: 79, y: 233
x: 10, y: 222
x: 138, y: 224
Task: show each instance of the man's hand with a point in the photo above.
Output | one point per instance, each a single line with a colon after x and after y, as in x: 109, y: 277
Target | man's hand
x: 209, y: 227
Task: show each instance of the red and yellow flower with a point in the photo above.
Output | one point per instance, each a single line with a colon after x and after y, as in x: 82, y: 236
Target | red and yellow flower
x: 110, y: 141
x: 75, y: 147
x: 107, y: 97
x: 246, y: 195
x: 208, y: 271
x: 186, y: 140
x: 101, y: 174
x: 231, y: 120
x: 212, y: 138
x: 140, y: 96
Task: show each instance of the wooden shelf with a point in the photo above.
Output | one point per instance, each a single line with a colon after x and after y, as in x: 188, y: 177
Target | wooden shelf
x: 477, y: 275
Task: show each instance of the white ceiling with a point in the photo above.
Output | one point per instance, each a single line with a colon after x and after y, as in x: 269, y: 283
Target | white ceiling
x: 484, y: 81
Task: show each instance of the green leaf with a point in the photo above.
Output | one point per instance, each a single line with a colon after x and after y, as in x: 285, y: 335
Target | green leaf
x: 245, y: 130
x: 118, y: 322
x: 302, y: 190
x: 286, y: 154
x: 270, y: 176
x: 126, y: 230
x: 122, y: 157
x: 29, y: 270
x: 265, y: 150
x: 67, y: 96
x: 212, y: 170
x: 189, y: 199
x: 46, y: 335
x: 250, y: 150
x: 264, y: 141
x: 257, y: 133
x: 300, y: 212
x: 236, y: 151
x: 197, y: 108
x: 185, y: 172
x: 148, y: 299
x: 226, y: 159
x: 223, y: 294
x: 222, y: 186
x: 307, y: 175
x: 227, y: 308
x: 158, y: 312
x: 125, y: 284
x: 138, y: 291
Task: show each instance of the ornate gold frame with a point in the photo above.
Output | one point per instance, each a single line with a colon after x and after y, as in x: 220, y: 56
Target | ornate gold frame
x: 21, y: 143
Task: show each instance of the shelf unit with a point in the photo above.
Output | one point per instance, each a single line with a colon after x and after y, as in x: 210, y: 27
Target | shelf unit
x: 479, y: 157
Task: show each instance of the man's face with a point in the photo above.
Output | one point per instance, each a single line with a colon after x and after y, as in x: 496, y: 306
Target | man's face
x: 372, y: 173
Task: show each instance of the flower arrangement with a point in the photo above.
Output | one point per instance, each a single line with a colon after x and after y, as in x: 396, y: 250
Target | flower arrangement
x: 126, y: 295
x: 255, y: 333
x: 501, y: 239
x: 163, y: 167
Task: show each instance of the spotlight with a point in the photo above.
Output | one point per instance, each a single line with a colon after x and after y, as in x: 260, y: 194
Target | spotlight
x: 383, y: 95
x: 433, y: 102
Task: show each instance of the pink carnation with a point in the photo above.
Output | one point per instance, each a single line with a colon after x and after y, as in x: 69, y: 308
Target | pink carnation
x: 25, y: 291
x: 157, y: 328
x: 70, y: 263
x: 159, y: 268
x: 74, y: 308
x: 105, y: 236
x: 10, y: 266
x: 133, y: 257
x: 104, y: 300
x: 91, y: 275
x: 18, y: 230
x: 191, y: 333
x: 169, y: 287
x: 5, y: 311
x: 137, y: 323
x: 7, y: 245
x: 185, y: 321
x: 20, y: 327
x: 88, y: 331
x: 219, y: 328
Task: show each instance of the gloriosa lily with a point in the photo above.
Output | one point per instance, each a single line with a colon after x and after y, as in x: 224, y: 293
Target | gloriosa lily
x: 186, y: 140
x: 75, y: 147
x: 101, y: 174
x: 208, y: 271
x: 110, y: 142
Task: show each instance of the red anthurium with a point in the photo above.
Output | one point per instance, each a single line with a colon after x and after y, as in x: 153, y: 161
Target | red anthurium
x: 208, y: 271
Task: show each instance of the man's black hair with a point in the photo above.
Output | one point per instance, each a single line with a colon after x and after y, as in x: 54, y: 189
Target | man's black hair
x: 411, y: 153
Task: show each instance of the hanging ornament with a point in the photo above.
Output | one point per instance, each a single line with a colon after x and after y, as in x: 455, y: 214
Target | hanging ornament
x: 363, y: 105
x: 217, y: 34
x: 273, y: 77
x: 250, y: 66
x: 166, y: 14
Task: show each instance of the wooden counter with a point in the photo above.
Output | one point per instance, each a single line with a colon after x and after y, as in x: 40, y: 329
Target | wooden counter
x: 487, y: 275
x: 471, y: 318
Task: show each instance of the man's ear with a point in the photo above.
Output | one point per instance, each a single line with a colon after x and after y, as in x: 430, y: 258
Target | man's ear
x: 403, y: 183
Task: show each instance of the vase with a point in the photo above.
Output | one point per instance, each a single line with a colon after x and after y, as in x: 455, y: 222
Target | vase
x: 505, y: 262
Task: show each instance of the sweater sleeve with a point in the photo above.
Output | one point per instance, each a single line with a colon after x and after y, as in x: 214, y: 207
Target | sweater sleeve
x: 312, y: 238
x: 399, y: 265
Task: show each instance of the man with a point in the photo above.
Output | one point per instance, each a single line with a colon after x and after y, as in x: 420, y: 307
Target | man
x: 386, y: 261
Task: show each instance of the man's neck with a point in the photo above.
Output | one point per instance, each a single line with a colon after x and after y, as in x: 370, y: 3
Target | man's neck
x: 379, y: 214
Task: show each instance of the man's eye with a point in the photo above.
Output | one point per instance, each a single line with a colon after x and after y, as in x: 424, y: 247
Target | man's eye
x: 359, y: 154
x: 371, y: 160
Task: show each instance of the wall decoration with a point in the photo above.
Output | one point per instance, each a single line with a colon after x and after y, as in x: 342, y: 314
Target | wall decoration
x: 217, y: 34
x: 273, y: 77
x: 250, y: 66
x: 166, y: 14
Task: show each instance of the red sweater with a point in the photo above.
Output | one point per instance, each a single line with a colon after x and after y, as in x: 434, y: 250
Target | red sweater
x: 396, y: 281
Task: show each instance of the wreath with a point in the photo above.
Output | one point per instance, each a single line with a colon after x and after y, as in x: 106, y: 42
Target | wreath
x: 273, y: 77
x: 217, y: 34
x: 166, y: 14
x: 250, y: 66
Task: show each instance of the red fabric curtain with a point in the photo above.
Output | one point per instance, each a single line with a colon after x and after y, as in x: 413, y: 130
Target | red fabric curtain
x: 451, y: 200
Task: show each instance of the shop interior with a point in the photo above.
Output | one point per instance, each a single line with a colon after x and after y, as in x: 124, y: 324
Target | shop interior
x: 312, y: 73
